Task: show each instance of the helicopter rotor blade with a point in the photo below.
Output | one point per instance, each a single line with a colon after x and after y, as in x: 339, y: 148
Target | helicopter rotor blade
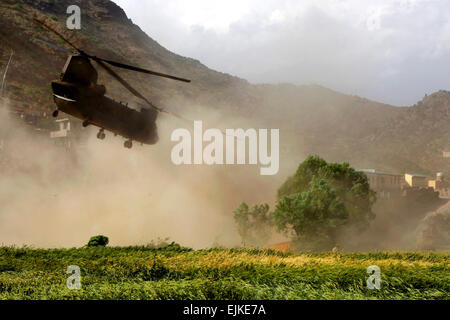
x: 125, y: 84
x: 125, y: 66
x: 134, y: 91
x: 59, y: 35
x: 54, y: 46
x: 113, y: 63
x: 102, y: 62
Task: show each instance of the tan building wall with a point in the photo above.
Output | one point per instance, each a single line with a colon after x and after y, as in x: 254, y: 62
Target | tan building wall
x: 436, y: 184
x: 416, y: 181
x: 380, y: 181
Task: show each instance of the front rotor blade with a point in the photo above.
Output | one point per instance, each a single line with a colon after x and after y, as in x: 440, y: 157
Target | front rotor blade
x: 124, y: 83
x: 134, y: 91
x: 59, y: 35
x: 125, y: 66
x: 53, y: 45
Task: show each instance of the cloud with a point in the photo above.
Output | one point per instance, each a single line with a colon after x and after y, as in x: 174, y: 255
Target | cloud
x: 391, y: 51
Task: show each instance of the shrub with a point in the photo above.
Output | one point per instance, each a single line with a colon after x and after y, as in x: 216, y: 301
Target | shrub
x: 98, y: 241
x: 254, y: 224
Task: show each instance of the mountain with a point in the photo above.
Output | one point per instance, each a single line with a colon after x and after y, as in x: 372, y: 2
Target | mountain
x: 420, y: 134
x: 311, y: 119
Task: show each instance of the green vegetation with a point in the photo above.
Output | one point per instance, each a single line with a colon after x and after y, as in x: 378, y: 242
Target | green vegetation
x: 435, y: 231
x: 16, y: 6
x: 174, y: 272
x: 313, y: 215
x: 98, y: 241
x: 314, y: 206
x: 33, y: 91
x: 35, y: 64
x: 60, y: 41
x: 254, y: 224
x: 351, y: 187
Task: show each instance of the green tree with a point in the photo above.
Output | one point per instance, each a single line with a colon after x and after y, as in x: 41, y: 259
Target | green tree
x: 254, y: 224
x: 321, y: 198
x: 98, y: 241
x: 313, y: 216
x: 351, y: 186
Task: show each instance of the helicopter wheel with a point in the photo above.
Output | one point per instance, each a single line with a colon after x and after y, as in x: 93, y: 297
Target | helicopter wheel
x: 55, y: 113
x: 85, y: 123
x: 128, y: 144
x: 101, y: 135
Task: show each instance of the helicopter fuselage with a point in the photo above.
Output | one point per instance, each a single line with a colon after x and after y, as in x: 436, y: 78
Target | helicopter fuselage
x: 79, y: 95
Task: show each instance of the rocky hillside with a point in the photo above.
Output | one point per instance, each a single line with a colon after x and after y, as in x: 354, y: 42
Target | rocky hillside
x: 420, y: 134
x: 311, y: 119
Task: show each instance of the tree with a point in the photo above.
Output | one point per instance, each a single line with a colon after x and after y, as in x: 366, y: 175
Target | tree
x: 351, y: 187
x: 254, y: 224
x: 313, y: 216
x: 434, y: 231
x: 98, y: 241
x: 322, y: 198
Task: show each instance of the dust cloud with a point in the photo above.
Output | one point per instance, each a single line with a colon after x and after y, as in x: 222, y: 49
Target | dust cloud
x: 53, y: 198
x: 50, y: 197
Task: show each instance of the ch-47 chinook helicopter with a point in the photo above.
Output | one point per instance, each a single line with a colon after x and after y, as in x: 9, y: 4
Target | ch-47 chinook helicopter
x: 78, y: 94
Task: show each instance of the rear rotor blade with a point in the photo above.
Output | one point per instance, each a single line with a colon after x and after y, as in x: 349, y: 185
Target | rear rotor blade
x: 113, y: 63
x: 53, y: 45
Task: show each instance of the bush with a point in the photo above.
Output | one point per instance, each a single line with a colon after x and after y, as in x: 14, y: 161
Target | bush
x: 254, y: 224
x: 98, y: 241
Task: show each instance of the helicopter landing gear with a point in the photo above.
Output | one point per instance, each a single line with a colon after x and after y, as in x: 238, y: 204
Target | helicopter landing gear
x: 128, y: 144
x: 55, y: 113
x: 85, y: 123
x: 101, y: 134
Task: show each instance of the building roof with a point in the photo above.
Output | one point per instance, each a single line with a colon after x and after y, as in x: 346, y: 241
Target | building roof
x: 415, y: 175
x: 379, y: 172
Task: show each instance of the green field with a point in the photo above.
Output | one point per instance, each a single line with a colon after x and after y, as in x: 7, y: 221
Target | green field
x: 177, y: 273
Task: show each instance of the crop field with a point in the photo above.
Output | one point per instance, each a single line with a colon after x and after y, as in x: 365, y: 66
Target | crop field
x: 173, y: 272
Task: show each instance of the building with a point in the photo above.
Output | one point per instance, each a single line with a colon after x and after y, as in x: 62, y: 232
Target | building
x: 62, y: 137
x: 416, y: 180
x: 446, y: 154
x: 382, y: 181
x: 68, y: 134
x: 63, y: 129
x: 438, y: 183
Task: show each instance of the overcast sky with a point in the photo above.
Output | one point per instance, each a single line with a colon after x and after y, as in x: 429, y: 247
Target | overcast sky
x: 386, y: 50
